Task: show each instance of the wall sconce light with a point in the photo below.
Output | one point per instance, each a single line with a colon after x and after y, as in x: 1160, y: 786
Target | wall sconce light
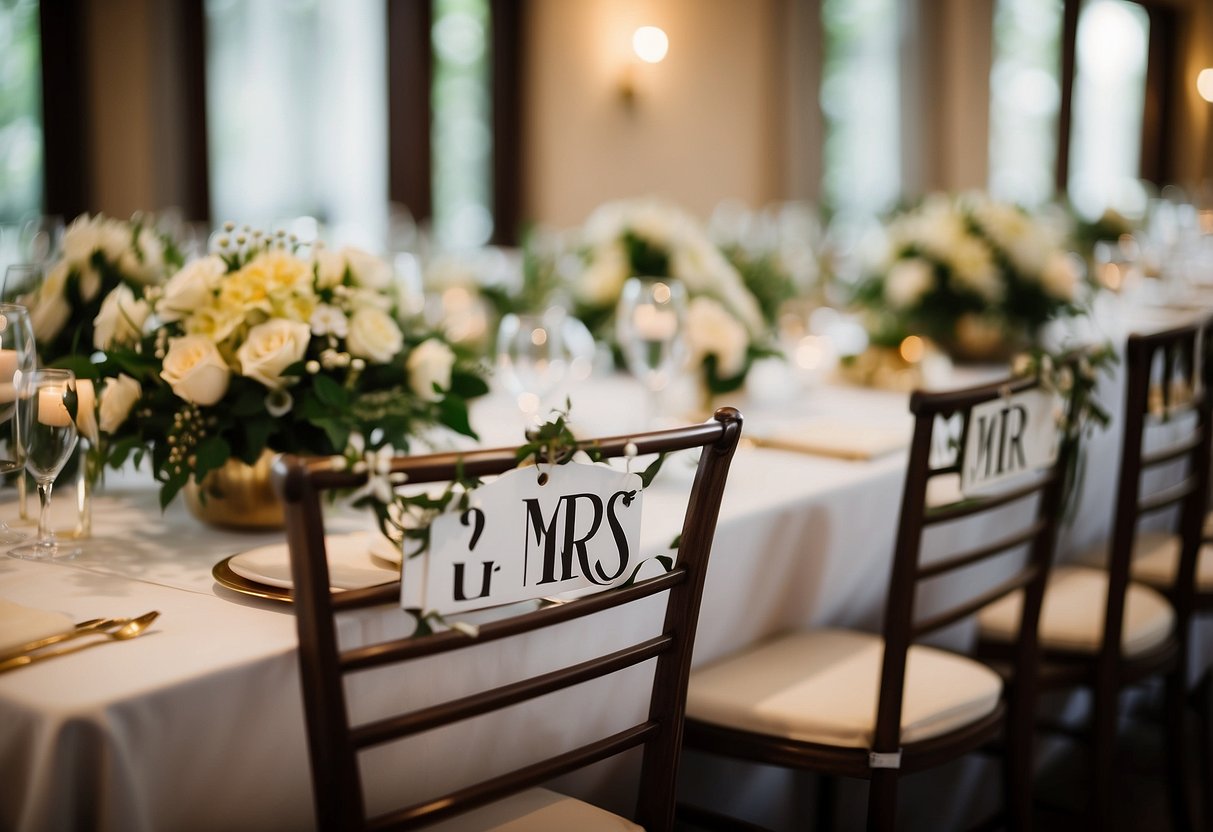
x: 650, y: 44
x: 1204, y: 84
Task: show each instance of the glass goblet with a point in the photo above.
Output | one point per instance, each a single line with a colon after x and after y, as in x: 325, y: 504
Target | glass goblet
x: 46, y: 404
x: 17, y: 357
x: 41, y: 238
x: 648, y: 326
x: 21, y: 282
x: 538, y: 353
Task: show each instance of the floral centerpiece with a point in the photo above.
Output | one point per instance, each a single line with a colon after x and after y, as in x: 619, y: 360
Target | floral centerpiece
x: 725, y: 328
x: 978, y: 276
x: 256, y: 347
x: 94, y: 293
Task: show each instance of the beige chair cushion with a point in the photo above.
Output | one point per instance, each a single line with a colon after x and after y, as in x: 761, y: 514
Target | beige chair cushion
x: 1073, y: 614
x: 822, y: 686
x: 536, y: 810
x: 1156, y: 557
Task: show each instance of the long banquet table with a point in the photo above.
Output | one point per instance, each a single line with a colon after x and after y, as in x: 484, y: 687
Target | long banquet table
x: 198, y: 725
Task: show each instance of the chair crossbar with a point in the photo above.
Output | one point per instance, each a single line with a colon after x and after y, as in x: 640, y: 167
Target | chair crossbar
x: 1170, y: 496
x: 1173, y: 452
x: 375, y: 655
x: 496, y: 788
x: 975, y: 555
x: 385, y: 730
x: 941, y: 620
x: 967, y: 508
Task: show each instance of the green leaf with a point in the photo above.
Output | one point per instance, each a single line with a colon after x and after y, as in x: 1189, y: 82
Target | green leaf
x: 468, y: 385
x: 249, y: 402
x: 454, y: 414
x: 647, y: 475
x: 81, y: 365
x: 330, y: 393
x: 210, y: 454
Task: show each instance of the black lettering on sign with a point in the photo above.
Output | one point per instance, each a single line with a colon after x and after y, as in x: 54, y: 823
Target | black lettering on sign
x: 487, y: 570
x: 478, y: 516
x: 999, y: 447
x: 541, y: 533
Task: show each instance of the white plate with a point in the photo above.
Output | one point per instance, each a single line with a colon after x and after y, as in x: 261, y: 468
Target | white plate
x: 351, y: 564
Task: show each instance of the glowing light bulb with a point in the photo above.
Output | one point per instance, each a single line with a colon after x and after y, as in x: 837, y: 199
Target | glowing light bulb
x: 650, y: 44
x: 1204, y: 84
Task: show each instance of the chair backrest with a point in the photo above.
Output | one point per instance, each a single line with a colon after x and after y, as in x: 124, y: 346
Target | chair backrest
x: 1167, y: 379
x: 902, y: 625
x: 335, y: 743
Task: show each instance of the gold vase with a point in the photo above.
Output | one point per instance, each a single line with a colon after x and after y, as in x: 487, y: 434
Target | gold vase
x: 237, y: 496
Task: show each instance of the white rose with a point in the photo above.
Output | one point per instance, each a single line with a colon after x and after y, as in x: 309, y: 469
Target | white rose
x: 430, y: 364
x: 118, y: 397
x: 711, y: 330
x: 81, y: 239
x: 50, y: 310
x: 374, y: 335
x: 603, y: 279
x: 330, y: 268
x: 329, y: 320
x: 190, y: 288
x: 908, y: 281
x: 195, y: 370
x: 120, y: 320
x: 367, y: 269
x: 270, y: 348
x: 1060, y: 276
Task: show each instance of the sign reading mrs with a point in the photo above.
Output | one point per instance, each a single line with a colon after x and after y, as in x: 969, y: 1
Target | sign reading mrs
x: 522, y: 540
x: 1010, y: 437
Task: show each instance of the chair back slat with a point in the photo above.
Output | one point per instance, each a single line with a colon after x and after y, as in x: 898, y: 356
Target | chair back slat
x: 440, y: 808
x: 335, y: 742
x: 1167, y: 378
x: 902, y: 624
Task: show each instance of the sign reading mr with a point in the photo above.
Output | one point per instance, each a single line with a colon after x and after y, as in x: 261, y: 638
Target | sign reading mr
x: 523, y: 540
x: 1008, y: 437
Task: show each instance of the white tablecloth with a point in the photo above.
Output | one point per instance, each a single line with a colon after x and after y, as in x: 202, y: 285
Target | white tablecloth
x: 199, y: 724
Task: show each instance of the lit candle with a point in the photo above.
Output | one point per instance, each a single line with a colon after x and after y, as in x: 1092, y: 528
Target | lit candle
x: 86, y: 410
x: 51, y: 409
x: 8, y: 392
x: 653, y: 324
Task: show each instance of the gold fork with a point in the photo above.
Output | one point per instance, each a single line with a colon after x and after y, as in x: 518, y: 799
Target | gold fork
x: 133, y: 628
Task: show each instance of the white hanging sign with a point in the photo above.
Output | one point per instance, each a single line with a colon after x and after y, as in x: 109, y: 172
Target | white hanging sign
x: 1009, y: 437
x: 522, y: 540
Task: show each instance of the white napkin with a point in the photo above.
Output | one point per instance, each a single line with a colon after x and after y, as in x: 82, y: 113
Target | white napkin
x: 20, y: 625
x: 837, y: 437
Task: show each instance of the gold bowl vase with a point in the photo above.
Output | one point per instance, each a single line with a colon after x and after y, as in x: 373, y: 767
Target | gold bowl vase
x: 237, y: 496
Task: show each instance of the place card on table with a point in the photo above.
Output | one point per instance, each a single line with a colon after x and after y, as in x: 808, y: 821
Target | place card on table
x: 836, y: 437
x: 532, y: 533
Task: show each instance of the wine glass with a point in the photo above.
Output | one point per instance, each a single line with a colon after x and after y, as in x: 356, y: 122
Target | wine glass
x: 648, y: 324
x: 17, y: 357
x: 21, y: 282
x: 537, y: 353
x: 41, y: 239
x: 46, y: 403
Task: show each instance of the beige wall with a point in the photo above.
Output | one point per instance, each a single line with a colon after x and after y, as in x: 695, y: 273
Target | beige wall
x: 705, y: 125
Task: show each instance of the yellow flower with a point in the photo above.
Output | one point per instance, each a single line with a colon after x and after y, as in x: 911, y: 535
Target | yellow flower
x: 216, y: 323
x: 281, y: 274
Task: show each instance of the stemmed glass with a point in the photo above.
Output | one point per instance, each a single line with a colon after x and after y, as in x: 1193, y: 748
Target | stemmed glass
x: 648, y: 324
x: 21, y: 281
x: 41, y: 239
x: 46, y: 404
x: 537, y: 353
x: 17, y: 358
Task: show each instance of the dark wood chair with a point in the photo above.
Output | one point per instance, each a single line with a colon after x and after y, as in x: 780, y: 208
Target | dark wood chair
x: 336, y: 744
x: 878, y: 707
x: 1108, y: 627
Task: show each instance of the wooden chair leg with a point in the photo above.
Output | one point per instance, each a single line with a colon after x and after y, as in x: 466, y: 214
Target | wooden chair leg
x: 827, y: 802
x: 882, y: 800
x: 1103, y: 757
x: 1205, y: 704
x: 1018, y: 765
x: 1178, y: 784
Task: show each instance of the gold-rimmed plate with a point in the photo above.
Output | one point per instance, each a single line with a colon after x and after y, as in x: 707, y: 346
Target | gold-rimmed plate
x: 224, y: 576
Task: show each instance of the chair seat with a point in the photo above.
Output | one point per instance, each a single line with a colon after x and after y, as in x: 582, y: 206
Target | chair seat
x: 1072, y: 616
x: 822, y: 687
x: 1156, y: 557
x: 536, y: 810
